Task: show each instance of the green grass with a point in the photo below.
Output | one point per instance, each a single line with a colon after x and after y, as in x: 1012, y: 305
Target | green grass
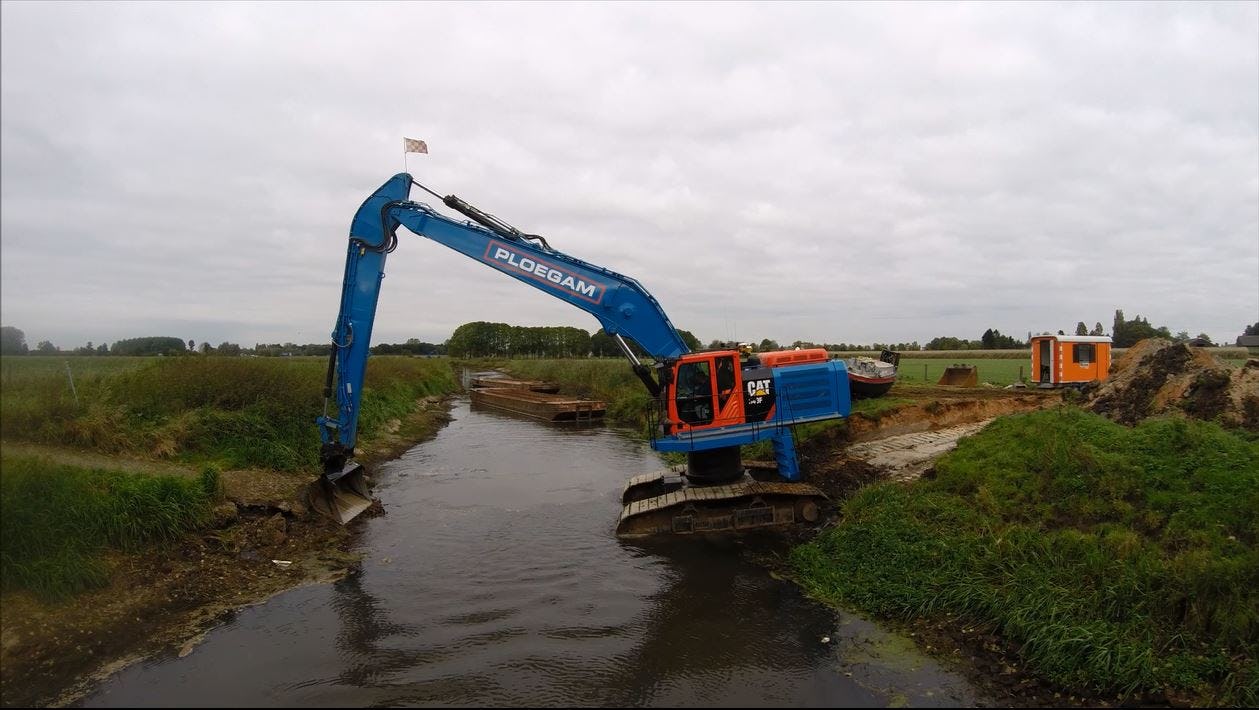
x: 15, y: 370
x: 233, y: 412
x: 217, y: 411
x: 1120, y: 560
x: 997, y: 371
x: 55, y: 520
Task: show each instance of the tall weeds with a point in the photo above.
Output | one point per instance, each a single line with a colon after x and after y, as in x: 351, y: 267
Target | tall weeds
x: 236, y: 412
x: 56, y: 519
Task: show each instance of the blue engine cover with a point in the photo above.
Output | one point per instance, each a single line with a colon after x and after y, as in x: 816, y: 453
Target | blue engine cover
x: 811, y: 392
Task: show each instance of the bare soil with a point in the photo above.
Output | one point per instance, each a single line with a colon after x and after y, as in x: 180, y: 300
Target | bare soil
x: 1156, y: 377
x: 831, y: 467
x: 263, y: 541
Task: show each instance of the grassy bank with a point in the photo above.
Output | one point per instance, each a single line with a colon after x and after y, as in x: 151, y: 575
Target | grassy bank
x: 1120, y: 560
x: 56, y: 520
x: 232, y: 412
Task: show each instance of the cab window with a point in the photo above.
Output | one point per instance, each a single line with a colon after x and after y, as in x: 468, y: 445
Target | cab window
x: 725, y: 381
x: 695, y: 393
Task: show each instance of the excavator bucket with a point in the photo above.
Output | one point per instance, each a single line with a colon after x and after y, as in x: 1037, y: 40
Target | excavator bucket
x: 960, y: 376
x: 340, y: 496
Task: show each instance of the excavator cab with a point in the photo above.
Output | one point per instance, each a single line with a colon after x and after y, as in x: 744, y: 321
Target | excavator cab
x: 704, y: 391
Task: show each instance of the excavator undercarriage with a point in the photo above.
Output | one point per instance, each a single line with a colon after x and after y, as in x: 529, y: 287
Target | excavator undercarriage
x: 713, y: 493
x: 665, y: 503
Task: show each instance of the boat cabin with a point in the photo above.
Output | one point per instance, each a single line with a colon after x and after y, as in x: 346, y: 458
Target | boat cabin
x: 1069, y: 359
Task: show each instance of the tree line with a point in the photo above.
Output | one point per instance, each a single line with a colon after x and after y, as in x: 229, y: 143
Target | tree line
x: 13, y: 342
x: 484, y: 339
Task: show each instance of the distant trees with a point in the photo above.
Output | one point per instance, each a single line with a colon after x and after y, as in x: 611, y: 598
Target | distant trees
x: 291, y: 349
x: 691, y: 341
x: 1081, y: 329
x: 46, y: 348
x: 1126, y: 333
x: 945, y: 342
x: 1250, y: 330
x: 1097, y: 329
x: 483, y: 339
x: 413, y: 346
x: 12, y: 341
x: 992, y: 339
x: 158, y: 345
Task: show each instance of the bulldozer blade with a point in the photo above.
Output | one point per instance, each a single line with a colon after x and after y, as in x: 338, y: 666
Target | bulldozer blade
x: 342, y: 495
x: 960, y: 376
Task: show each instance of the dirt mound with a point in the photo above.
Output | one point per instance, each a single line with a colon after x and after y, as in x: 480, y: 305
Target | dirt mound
x: 1157, y: 376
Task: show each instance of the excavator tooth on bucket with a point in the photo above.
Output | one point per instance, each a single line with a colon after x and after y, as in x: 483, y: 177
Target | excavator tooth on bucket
x: 341, y: 495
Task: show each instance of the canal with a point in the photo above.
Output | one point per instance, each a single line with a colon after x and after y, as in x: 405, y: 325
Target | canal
x: 494, y: 578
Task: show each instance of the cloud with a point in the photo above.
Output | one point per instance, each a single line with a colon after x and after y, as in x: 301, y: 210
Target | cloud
x: 825, y: 172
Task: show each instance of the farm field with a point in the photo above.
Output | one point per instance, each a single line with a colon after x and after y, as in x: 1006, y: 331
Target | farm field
x: 22, y: 368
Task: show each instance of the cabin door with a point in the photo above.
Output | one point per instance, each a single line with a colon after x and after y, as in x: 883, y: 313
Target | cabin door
x: 1046, y: 361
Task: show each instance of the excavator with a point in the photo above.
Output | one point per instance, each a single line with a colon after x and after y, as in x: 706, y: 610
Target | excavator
x: 706, y: 404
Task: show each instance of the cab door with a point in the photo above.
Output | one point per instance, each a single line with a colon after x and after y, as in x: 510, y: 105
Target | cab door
x: 707, y: 392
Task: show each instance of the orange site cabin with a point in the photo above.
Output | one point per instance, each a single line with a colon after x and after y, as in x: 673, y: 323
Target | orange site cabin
x: 1070, y: 359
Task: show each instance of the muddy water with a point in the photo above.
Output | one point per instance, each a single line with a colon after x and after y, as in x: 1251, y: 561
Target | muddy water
x: 495, y: 579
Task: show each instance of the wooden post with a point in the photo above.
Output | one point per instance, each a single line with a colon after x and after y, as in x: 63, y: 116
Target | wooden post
x: 924, y: 373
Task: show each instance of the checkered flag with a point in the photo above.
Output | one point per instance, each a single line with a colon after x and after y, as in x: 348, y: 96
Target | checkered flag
x: 411, y: 145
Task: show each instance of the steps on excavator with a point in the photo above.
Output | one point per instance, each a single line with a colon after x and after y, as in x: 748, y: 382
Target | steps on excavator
x: 664, y: 503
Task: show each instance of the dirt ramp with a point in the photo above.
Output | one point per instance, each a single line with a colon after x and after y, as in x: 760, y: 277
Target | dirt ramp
x: 1157, y: 376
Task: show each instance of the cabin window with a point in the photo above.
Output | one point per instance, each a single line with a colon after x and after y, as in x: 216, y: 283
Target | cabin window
x: 695, y: 393
x: 1084, y: 353
x: 725, y: 380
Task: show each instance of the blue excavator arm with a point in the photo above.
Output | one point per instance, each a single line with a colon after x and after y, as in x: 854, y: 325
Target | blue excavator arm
x: 620, y: 304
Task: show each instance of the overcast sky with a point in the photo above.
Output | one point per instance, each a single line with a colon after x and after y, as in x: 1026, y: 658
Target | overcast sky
x: 827, y: 172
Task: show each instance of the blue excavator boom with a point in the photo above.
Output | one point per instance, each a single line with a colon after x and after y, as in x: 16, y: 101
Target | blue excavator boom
x: 619, y: 303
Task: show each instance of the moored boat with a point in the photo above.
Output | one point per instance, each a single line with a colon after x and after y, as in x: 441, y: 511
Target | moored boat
x: 869, y: 378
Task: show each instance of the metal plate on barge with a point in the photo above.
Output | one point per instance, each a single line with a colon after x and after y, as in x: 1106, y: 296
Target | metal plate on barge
x: 548, y: 407
x: 510, y: 383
